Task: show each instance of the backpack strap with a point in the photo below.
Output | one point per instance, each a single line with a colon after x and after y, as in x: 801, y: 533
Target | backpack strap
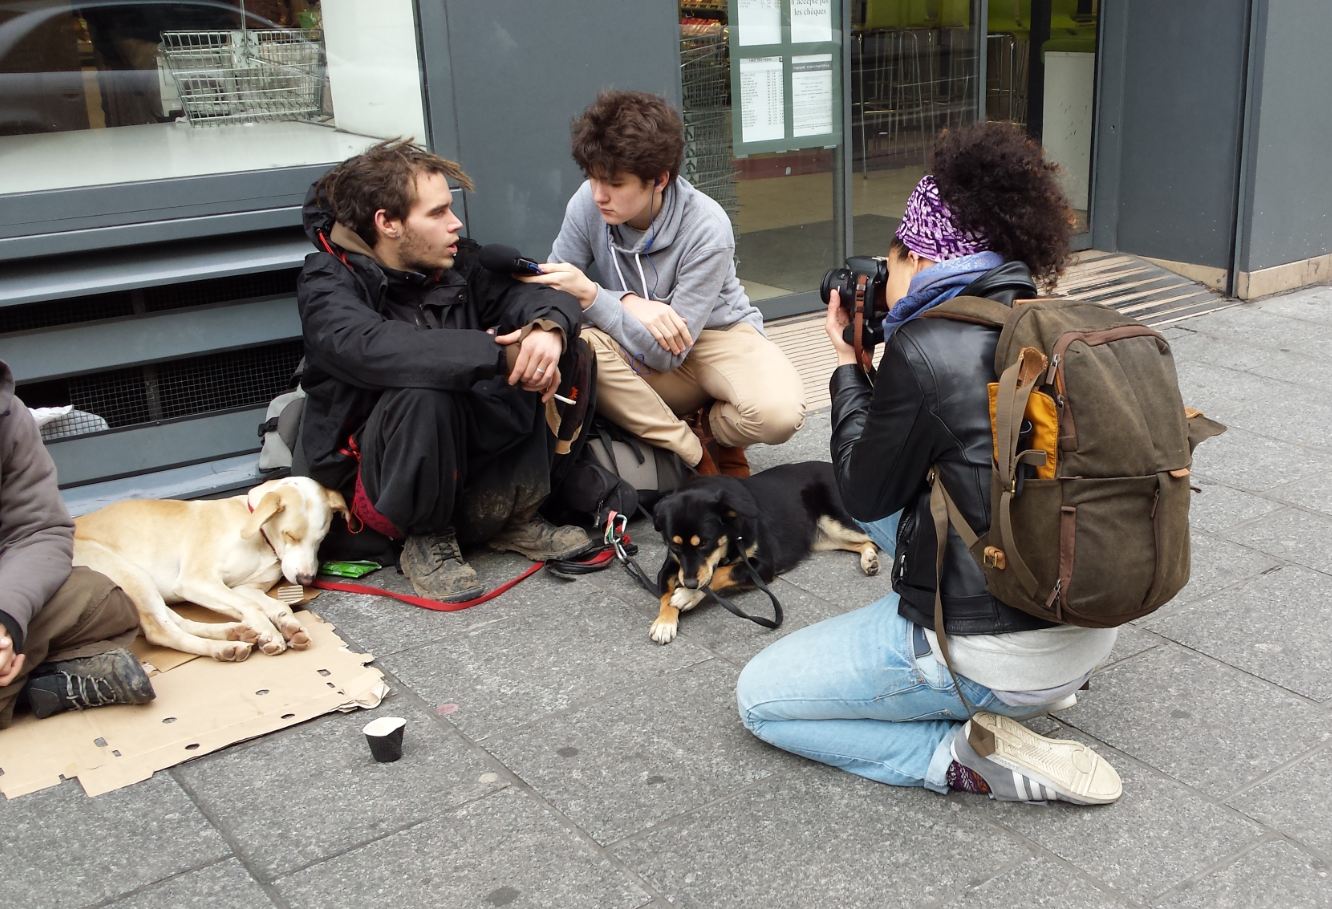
x: 977, y: 310
x: 945, y: 511
x: 1015, y: 388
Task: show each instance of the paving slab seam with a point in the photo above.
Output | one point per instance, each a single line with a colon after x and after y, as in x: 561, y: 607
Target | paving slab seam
x: 112, y: 900
x: 1312, y: 702
x: 1224, y: 862
x: 517, y: 782
x: 1220, y: 802
x: 232, y: 843
x: 1324, y: 745
x: 1041, y: 853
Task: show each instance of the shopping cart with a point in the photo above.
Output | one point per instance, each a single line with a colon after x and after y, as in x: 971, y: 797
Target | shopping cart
x: 244, y: 75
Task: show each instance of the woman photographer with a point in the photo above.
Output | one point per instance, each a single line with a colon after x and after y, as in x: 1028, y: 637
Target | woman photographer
x: 868, y: 691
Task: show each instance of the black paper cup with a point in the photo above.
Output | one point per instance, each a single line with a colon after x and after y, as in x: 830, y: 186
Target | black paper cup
x: 384, y: 735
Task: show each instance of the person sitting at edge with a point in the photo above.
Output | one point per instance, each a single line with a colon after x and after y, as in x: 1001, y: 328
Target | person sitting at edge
x: 63, y: 630
x: 674, y: 332
x: 427, y: 376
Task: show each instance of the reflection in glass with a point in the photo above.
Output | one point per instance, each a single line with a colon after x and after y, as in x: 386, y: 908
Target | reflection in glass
x: 110, y: 91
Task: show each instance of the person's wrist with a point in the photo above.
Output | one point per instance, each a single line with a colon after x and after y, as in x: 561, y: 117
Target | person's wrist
x: 589, y: 295
x: 846, y: 357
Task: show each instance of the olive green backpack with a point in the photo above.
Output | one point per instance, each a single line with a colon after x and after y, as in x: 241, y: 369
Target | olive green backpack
x: 1089, y: 514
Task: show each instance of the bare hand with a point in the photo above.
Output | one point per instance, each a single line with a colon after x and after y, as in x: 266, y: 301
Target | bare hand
x: 565, y: 277
x: 664, y: 323
x: 834, y: 324
x: 536, y: 368
x: 11, y: 663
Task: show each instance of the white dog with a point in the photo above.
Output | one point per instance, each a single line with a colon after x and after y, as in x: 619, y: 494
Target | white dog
x: 223, y: 554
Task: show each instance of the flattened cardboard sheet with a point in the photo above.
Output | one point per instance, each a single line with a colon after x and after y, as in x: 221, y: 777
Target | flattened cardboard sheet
x: 202, y: 706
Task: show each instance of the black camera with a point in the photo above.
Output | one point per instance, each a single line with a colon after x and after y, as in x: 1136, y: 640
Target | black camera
x: 844, y: 280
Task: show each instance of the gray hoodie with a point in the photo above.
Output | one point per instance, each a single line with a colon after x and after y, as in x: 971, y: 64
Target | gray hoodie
x: 686, y: 258
x: 36, y: 533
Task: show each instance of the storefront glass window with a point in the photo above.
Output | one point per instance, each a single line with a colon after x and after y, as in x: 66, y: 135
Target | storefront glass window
x: 95, y: 92
x: 762, y: 107
x: 1041, y: 69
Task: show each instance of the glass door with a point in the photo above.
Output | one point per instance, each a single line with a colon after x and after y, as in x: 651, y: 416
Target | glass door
x: 1041, y: 73
x: 762, y: 84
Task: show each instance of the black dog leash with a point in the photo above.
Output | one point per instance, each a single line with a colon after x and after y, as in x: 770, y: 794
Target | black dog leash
x: 775, y: 621
x: 616, y: 545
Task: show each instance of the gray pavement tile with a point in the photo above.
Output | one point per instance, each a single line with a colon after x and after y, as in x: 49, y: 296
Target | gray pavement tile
x: 818, y: 837
x: 1274, y: 875
x: 314, y: 790
x: 504, y: 850
x: 1311, y: 304
x: 1216, y: 564
x: 1294, y: 801
x: 1158, y: 834
x: 624, y: 763
x: 1131, y: 641
x: 738, y: 640
x: 837, y: 578
x: 62, y: 848
x: 1038, y: 883
x: 1254, y: 462
x: 226, y: 885
x: 1261, y: 326
x: 1217, y: 508
x: 382, y: 625
x: 1273, y: 626
x: 1313, y: 492
x: 1290, y: 534
x: 1208, y: 725
x: 1242, y: 400
x: 1195, y: 346
x: 507, y: 673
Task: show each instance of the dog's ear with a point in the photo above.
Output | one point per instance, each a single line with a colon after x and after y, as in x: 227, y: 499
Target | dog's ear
x: 338, y: 504
x: 739, y: 509
x: 268, y: 506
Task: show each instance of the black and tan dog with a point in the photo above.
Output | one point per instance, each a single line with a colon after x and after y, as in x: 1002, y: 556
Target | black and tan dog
x: 776, y: 518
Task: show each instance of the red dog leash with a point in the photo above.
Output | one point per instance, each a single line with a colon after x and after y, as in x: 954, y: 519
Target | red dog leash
x: 616, y: 541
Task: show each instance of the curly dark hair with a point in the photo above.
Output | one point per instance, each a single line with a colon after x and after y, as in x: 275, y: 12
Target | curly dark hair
x: 997, y: 183
x: 382, y: 176
x: 628, y: 131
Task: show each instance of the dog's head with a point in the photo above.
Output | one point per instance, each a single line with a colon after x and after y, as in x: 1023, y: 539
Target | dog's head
x: 294, y: 515
x: 700, y: 523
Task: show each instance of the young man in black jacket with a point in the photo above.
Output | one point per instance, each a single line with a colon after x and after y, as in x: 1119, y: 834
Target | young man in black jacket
x: 428, y: 377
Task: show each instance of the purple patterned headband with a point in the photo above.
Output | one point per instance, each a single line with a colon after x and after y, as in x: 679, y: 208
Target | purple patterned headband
x: 927, y: 227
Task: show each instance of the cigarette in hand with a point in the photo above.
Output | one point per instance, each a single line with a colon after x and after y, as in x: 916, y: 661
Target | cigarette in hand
x: 563, y: 399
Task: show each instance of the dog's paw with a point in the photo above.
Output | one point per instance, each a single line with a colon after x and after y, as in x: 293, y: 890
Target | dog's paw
x: 685, y: 599
x: 663, y: 632
x: 299, y: 641
x: 233, y: 652
x: 869, y: 561
x: 272, y: 645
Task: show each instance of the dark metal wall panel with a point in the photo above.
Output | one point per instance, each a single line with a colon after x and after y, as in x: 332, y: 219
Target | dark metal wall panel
x: 1178, y: 145
x: 520, y: 72
x: 1289, y: 183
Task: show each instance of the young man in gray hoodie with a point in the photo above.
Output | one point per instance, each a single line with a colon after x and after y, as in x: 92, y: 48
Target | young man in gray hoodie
x: 62, y: 631
x: 674, y: 333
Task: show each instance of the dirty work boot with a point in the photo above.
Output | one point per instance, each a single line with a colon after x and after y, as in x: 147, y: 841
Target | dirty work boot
x: 114, y: 677
x: 731, y: 461
x: 539, y: 540
x: 1020, y: 766
x: 434, y: 564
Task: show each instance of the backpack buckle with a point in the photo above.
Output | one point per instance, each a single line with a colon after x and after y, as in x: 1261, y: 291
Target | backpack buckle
x: 994, y: 557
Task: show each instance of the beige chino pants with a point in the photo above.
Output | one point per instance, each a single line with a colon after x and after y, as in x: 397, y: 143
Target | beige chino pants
x: 757, y: 393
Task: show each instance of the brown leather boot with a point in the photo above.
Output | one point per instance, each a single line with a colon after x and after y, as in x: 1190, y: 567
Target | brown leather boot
x: 730, y: 461
x: 706, y: 466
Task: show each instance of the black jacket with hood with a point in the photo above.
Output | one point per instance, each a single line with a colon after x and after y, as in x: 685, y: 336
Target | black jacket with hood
x: 369, y: 329
x: 929, y: 405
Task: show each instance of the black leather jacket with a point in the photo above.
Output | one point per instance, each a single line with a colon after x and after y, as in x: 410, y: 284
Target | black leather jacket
x: 929, y: 405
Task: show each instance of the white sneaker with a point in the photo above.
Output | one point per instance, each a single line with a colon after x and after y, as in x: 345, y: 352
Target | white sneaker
x: 1020, y: 766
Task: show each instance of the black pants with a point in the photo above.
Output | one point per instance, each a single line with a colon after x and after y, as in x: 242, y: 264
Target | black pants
x: 432, y: 460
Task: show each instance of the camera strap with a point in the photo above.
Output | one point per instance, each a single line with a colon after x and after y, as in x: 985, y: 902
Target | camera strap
x: 863, y: 356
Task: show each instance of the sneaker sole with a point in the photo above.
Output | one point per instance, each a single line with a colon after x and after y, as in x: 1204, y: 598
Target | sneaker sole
x: 1072, y: 770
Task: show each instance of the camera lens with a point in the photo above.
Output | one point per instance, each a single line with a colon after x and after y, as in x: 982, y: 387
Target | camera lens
x: 837, y: 279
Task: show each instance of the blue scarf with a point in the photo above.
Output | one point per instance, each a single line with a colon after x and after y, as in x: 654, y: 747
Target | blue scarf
x: 936, y: 284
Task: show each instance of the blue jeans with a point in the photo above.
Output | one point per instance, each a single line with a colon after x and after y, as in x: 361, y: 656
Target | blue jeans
x: 852, y: 692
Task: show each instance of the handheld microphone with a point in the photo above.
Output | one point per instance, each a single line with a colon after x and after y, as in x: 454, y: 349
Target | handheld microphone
x: 507, y: 260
